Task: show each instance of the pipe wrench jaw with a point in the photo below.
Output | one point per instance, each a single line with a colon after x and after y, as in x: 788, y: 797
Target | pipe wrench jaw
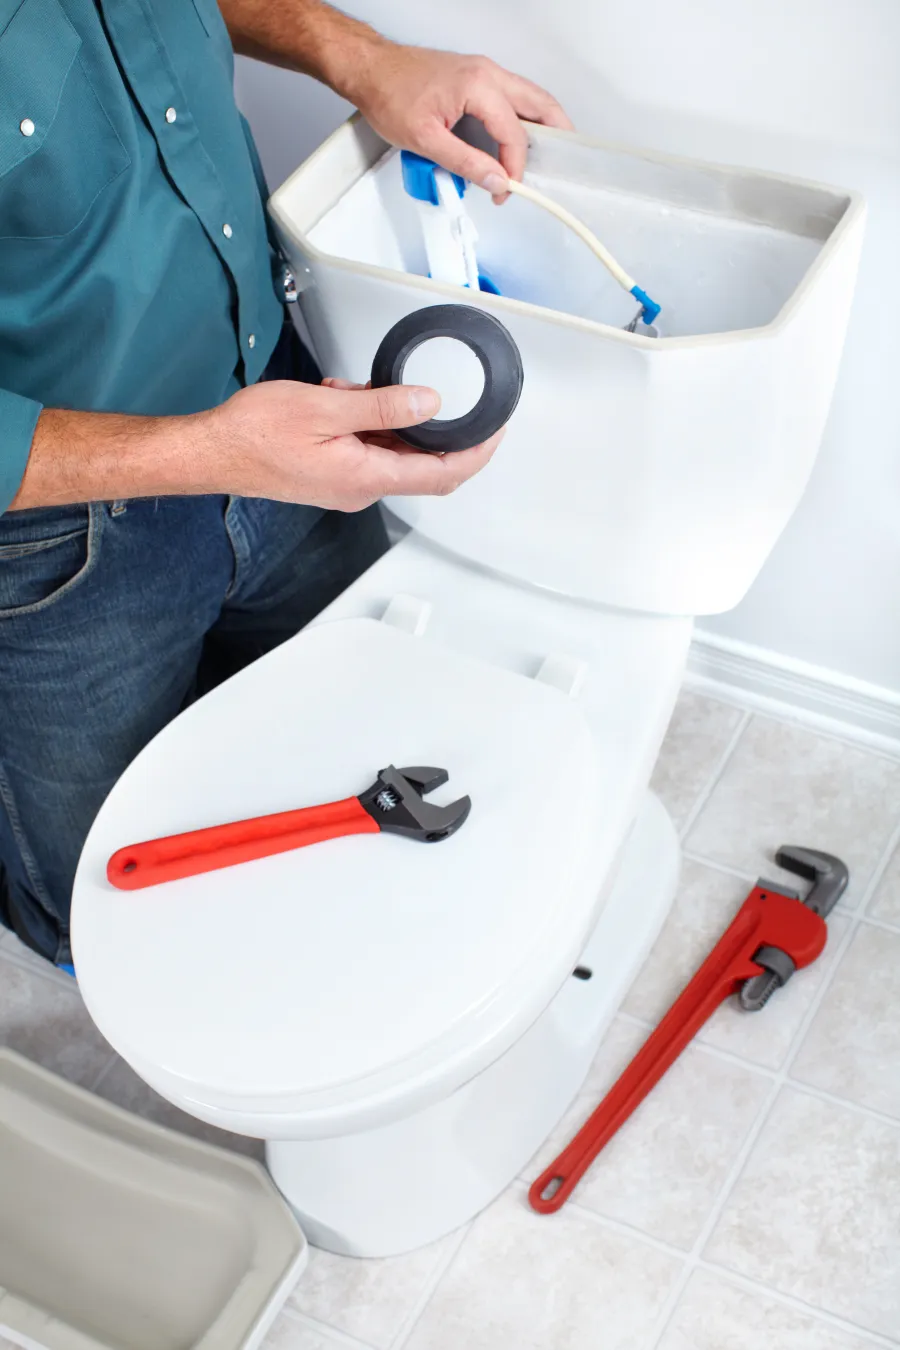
x: 829, y: 877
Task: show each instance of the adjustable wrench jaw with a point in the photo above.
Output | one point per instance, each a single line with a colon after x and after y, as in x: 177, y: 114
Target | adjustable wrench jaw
x: 395, y: 801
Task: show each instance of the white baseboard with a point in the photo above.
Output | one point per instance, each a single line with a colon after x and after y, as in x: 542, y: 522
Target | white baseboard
x: 785, y: 687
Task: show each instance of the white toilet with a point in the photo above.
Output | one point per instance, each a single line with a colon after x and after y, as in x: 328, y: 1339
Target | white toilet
x: 404, y: 1025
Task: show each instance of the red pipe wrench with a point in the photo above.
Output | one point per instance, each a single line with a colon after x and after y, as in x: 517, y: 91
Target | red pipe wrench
x: 774, y: 933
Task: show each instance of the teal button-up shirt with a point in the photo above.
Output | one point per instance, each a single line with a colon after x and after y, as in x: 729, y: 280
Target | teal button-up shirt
x: 136, y: 273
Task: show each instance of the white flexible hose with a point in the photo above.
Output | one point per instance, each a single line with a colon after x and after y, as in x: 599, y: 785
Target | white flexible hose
x: 578, y: 227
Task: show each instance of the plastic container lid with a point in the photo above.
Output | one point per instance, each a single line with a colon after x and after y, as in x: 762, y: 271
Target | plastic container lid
x: 344, y: 970
x: 116, y: 1234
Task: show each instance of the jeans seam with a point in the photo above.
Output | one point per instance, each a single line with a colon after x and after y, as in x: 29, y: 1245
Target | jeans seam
x: 29, y: 861
x: 12, y: 552
x: 90, y: 561
x: 238, y: 540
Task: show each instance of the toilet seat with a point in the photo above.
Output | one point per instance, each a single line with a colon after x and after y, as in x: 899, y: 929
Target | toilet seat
x: 346, y: 980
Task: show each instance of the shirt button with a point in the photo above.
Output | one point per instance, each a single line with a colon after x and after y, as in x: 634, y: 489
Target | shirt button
x: 26, y: 126
x: 171, y: 115
x: 251, y: 340
x: 227, y: 230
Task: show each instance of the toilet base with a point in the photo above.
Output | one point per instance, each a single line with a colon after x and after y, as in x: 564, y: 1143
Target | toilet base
x: 388, y: 1190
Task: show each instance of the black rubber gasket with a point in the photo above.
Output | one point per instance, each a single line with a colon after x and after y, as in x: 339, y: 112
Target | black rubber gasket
x: 500, y: 361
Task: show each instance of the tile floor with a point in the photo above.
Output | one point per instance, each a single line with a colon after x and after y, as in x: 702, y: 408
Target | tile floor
x: 754, y: 1198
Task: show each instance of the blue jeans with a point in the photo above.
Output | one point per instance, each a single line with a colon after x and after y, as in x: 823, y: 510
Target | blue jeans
x: 114, y: 617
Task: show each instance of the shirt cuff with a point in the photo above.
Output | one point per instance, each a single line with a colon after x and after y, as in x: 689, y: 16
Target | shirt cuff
x: 18, y: 418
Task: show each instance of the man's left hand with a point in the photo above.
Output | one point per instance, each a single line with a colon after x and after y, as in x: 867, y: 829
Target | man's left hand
x: 413, y: 97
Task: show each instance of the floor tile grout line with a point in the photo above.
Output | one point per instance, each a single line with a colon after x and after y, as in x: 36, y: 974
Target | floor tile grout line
x: 883, y: 865
x: 522, y: 1186
x: 766, y: 1071
x: 717, y: 1051
x: 884, y: 861
x: 749, y: 1285
x: 693, y: 1255
x: 749, y: 713
x: 430, y: 1289
x: 855, y: 1108
x: 330, y: 1333
x: 855, y: 918
x: 628, y: 1230
x: 828, y: 729
x: 729, y: 1057
x: 883, y: 925
x: 731, y: 1276
x: 716, y: 866
x: 644, y: 1023
x: 715, y: 776
x: 830, y: 975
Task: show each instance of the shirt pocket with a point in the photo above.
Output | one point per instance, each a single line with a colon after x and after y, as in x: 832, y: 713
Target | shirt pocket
x: 58, y: 148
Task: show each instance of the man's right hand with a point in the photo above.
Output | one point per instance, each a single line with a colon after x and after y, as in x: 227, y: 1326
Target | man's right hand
x: 330, y: 445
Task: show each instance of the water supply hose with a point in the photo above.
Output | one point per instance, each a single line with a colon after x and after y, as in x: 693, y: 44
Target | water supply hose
x: 650, y: 309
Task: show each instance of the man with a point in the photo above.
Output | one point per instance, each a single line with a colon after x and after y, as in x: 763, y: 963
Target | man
x: 180, y: 491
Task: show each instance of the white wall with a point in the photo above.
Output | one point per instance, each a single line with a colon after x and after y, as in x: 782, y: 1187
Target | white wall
x: 807, y: 87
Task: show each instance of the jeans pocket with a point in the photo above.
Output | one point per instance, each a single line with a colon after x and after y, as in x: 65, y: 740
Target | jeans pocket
x: 44, y: 553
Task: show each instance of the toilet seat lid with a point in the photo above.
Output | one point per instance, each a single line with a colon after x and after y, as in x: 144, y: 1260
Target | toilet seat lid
x: 342, y: 970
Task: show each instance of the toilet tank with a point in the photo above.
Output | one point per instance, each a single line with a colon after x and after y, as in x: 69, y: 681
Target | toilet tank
x: 652, y: 474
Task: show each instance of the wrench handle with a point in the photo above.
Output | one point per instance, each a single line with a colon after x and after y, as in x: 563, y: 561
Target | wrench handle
x: 659, y: 1052
x: 727, y: 965
x: 765, y: 918
x: 187, y: 855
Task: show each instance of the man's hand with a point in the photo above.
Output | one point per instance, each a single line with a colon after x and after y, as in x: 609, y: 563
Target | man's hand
x: 413, y: 97
x: 328, y: 445
x: 331, y: 445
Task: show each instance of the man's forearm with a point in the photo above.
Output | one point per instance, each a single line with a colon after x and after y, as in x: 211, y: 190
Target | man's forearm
x: 304, y: 35
x: 84, y: 457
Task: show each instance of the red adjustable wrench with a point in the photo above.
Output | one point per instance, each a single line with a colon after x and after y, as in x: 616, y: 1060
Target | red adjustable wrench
x: 774, y: 933
x: 394, y: 803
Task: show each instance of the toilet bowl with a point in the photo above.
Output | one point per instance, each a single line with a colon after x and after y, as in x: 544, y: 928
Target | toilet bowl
x: 404, y: 1025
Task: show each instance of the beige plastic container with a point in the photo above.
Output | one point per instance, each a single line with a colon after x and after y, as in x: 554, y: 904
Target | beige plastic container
x: 117, y: 1234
